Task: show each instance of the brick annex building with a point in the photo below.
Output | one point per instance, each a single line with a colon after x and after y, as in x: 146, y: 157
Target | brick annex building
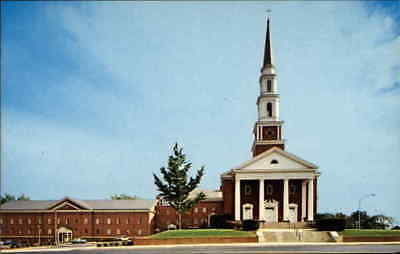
x: 274, y: 186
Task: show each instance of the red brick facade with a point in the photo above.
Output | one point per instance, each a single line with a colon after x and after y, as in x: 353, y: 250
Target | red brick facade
x: 89, y: 225
x: 197, y: 217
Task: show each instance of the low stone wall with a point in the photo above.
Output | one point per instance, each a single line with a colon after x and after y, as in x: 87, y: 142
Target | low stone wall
x: 371, y: 239
x: 150, y: 241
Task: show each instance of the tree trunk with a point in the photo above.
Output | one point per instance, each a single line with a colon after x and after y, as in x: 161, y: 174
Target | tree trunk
x: 180, y: 220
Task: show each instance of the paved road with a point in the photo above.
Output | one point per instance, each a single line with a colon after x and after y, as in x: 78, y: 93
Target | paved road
x: 234, y: 249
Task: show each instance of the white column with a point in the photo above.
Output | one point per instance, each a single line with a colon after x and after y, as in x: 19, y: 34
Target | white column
x: 258, y: 132
x: 278, y: 133
x: 237, y: 199
x: 303, y: 200
x: 310, y: 200
x: 261, y: 200
x: 286, y: 199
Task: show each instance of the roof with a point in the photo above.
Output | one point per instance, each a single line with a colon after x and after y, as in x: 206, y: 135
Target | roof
x: 136, y: 204
x: 280, y: 151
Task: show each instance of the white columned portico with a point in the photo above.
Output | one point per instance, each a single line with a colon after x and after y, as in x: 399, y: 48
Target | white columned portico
x: 285, y: 199
x: 261, y: 200
x: 310, y: 200
x: 303, y: 200
x: 237, y: 198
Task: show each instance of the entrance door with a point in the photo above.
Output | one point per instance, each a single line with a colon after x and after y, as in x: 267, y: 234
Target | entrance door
x: 270, y: 214
x: 293, y: 213
x: 271, y: 211
x: 64, y: 235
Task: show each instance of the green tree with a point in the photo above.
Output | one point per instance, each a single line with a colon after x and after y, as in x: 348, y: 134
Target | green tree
x: 123, y: 197
x: 175, y: 186
x: 23, y: 197
x: 8, y: 197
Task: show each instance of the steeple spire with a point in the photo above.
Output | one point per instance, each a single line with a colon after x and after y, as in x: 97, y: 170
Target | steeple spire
x: 268, y: 58
x: 268, y: 128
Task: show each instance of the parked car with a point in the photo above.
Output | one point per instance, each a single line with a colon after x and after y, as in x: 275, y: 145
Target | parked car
x: 11, y: 244
x: 78, y: 240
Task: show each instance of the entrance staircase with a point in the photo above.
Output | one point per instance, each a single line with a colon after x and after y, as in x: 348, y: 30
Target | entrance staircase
x: 294, y: 232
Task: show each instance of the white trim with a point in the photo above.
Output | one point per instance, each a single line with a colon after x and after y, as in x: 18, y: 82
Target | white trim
x: 274, y: 175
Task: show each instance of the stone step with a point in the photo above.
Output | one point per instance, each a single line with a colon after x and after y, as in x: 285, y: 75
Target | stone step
x: 286, y: 225
x: 300, y: 235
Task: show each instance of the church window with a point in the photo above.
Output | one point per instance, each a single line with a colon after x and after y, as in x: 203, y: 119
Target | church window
x: 108, y: 231
x: 204, y: 209
x: 108, y: 221
x: 269, y: 109
x: 269, y: 85
x: 247, y: 189
x: 12, y: 221
x: 19, y: 221
x: 274, y: 161
x: 40, y: 221
x: 49, y: 231
x: 85, y: 220
x: 118, y: 231
x: 139, y: 232
x: 117, y: 221
x: 1, y: 220
x: 29, y: 221
x: 97, y: 221
x: 270, y: 189
x: 49, y: 221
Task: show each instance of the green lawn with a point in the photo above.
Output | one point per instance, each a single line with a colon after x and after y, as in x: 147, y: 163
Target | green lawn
x: 370, y: 232
x: 194, y: 233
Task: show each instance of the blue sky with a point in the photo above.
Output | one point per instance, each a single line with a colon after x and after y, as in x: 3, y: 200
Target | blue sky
x: 95, y: 93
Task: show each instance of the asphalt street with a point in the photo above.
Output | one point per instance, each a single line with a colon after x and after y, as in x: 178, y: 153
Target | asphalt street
x: 232, y: 249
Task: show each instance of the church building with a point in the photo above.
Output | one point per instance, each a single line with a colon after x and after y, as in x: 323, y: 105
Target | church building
x: 275, y: 185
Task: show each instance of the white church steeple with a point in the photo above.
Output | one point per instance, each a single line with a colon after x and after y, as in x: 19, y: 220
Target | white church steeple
x: 268, y: 128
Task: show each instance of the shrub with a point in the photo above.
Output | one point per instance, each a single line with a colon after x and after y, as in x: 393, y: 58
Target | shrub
x: 333, y: 224
x: 220, y: 221
x: 250, y: 225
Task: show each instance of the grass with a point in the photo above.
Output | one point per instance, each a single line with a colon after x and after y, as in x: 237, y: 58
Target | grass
x: 371, y: 232
x: 198, y: 233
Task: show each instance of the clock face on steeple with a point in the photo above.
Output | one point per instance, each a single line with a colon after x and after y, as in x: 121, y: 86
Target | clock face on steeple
x: 270, y: 133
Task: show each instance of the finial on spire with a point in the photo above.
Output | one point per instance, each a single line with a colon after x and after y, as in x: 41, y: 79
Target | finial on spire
x: 268, y: 11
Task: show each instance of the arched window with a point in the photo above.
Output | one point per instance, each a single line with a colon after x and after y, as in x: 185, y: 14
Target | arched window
x: 274, y: 161
x: 269, y: 109
x: 270, y: 189
x: 269, y: 85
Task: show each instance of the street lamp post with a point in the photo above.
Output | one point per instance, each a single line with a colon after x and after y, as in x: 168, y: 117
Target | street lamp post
x: 359, y: 207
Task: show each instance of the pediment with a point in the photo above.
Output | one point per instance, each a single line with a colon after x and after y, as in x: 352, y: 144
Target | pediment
x: 276, y: 159
x: 68, y: 204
